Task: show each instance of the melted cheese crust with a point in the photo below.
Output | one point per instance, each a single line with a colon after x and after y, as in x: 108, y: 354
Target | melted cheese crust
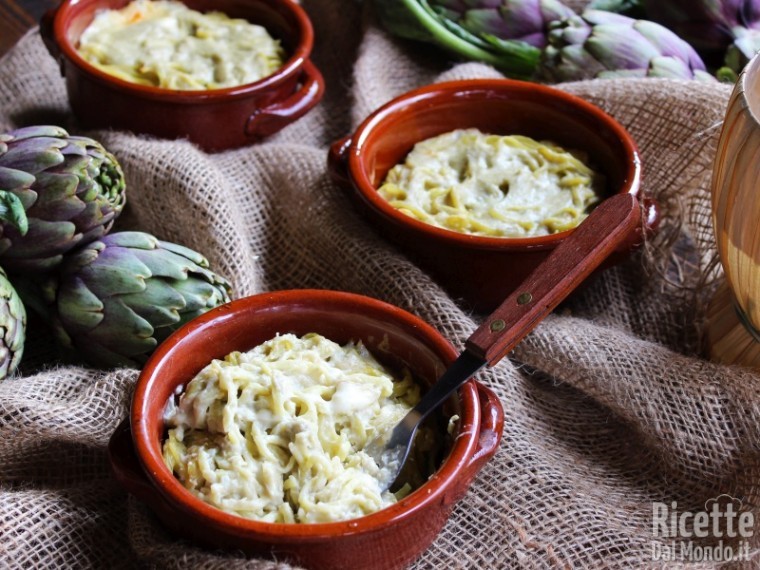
x: 163, y: 43
x: 276, y: 433
x: 492, y: 185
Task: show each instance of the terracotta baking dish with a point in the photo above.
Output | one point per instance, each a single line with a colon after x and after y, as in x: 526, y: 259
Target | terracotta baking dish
x: 388, y: 539
x: 214, y: 119
x: 479, y: 270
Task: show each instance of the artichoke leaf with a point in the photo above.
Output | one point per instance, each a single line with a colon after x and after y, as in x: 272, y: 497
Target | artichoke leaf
x: 200, y: 295
x: 82, y: 310
x: 116, y: 277
x: 124, y: 328
x: 80, y: 146
x: 33, y: 157
x: 666, y: 44
x: 111, y: 181
x: 45, y: 235
x: 60, y: 197
x: 94, y: 221
x: 133, y: 240
x: 13, y: 326
x: 163, y: 263
x: 667, y: 67
x: 81, y: 167
x: 160, y: 304
x: 28, y: 197
x: 632, y: 53
x: 12, y: 212
x: 12, y: 178
x: 185, y: 252
x: 35, y: 131
x: 207, y: 275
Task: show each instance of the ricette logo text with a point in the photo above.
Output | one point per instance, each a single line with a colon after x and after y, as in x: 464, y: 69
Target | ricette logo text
x: 719, y: 533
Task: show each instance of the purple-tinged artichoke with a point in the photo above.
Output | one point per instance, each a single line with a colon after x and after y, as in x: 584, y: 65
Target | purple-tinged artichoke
x: 509, y: 35
x: 422, y: 20
x: 12, y: 327
x: 117, y: 298
x: 723, y: 31
x: 711, y: 26
x: 523, y: 20
x: 56, y: 192
x: 603, y: 44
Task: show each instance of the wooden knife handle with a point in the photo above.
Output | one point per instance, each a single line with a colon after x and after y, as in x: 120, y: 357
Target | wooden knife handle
x: 608, y: 225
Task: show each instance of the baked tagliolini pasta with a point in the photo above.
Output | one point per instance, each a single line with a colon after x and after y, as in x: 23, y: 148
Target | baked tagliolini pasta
x: 493, y: 185
x: 276, y: 433
x: 163, y: 43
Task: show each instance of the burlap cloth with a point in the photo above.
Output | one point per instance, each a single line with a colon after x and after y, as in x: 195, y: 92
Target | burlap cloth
x: 608, y: 405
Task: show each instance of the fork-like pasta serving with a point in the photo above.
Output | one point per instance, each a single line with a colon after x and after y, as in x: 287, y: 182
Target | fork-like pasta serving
x: 493, y: 185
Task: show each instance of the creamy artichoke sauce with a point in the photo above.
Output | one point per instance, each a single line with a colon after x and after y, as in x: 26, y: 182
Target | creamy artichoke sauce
x: 276, y: 433
x: 165, y: 44
x: 493, y: 185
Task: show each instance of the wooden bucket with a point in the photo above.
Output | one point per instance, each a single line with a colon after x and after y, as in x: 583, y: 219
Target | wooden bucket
x: 733, y: 333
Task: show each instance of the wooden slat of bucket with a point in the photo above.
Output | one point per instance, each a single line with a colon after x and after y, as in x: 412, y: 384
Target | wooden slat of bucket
x: 736, y: 220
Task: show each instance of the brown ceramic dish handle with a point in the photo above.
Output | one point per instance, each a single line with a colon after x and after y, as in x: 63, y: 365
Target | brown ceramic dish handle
x: 609, y: 225
x: 126, y: 466
x: 650, y: 221
x: 48, y: 34
x: 491, y: 427
x: 337, y: 161
x: 650, y: 215
x: 268, y: 120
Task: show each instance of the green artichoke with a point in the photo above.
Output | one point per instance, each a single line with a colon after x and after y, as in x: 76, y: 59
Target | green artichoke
x: 443, y: 23
x: 12, y: 326
x: 56, y: 192
x: 603, y: 44
x: 522, y: 20
x: 544, y: 40
x: 117, y: 298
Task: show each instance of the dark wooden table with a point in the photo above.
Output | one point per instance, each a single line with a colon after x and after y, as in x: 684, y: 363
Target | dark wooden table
x: 17, y: 16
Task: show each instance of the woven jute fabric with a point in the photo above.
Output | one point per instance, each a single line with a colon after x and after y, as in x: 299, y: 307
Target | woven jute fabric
x: 609, y: 406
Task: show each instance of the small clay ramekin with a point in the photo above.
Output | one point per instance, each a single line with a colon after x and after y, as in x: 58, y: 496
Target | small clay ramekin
x: 482, y: 271
x: 216, y: 119
x: 388, y: 539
